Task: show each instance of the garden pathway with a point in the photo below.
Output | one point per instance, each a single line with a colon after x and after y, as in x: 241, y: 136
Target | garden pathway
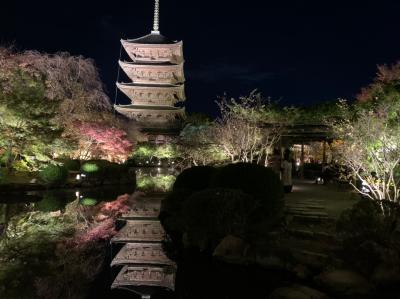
x: 143, y: 264
x: 311, y: 211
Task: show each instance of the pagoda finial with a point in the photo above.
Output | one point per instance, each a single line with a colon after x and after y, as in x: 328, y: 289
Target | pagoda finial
x: 156, y: 24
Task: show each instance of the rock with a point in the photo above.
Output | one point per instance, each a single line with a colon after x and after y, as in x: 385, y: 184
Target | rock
x: 231, y: 247
x: 313, y: 260
x: 271, y: 262
x: 33, y: 181
x: 386, y: 275
x: 297, y: 292
x: 301, y: 271
x: 344, y: 284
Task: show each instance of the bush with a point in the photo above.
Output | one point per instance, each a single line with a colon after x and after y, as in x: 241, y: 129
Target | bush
x: 194, y: 179
x: 211, y: 214
x: 159, y: 183
x: 259, y: 186
x: 369, y: 234
x: 54, y: 175
x: 262, y: 183
x: 72, y: 165
x: 51, y: 202
x: 3, y: 175
x: 189, y: 181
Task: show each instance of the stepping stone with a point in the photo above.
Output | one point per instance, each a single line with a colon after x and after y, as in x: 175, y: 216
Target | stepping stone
x: 140, y: 253
x: 310, y: 218
x: 153, y: 276
x: 140, y: 231
x: 304, y: 213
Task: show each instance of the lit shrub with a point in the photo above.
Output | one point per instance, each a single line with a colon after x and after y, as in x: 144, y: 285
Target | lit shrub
x: 88, y: 202
x: 159, y: 183
x: 54, y: 175
x: 91, y: 167
x: 51, y: 202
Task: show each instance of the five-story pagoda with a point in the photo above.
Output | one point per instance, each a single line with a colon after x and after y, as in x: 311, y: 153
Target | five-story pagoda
x: 157, y: 82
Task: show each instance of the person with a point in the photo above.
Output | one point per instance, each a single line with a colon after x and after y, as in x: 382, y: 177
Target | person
x: 286, y: 172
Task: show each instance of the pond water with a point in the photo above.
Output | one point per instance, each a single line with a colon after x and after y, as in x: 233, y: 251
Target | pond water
x: 198, y: 276
x: 148, y: 179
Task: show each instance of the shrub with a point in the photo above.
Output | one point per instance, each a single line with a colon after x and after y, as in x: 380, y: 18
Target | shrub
x: 3, y: 175
x: 211, y: 214
x: 369, y: 234
x: 262, y: 183
x: 51, y: 202
x: 159, y: 183
x: 72, y: 165
x: 189, y: 181
x: 54, y: 175
x: 88, y: 202
x: 260, y: 186
x: 194, y: 179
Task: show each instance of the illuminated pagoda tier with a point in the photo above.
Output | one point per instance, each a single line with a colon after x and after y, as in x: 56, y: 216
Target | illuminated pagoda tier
x: 156, y: 81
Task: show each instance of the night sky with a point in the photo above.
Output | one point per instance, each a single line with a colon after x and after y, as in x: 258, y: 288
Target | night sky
x: 298, y: 52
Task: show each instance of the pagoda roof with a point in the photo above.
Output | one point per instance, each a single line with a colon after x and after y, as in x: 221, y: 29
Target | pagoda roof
x: 147, y: 86
x: 152, y: 39
x: 165, y: 63
x: 149, y: 107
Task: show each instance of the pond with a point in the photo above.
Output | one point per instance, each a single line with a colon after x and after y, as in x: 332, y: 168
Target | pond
x: 199, y: 276
x: 147, y: 179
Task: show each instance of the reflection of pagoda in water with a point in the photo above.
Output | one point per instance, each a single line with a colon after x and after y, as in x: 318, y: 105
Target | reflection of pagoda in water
x: 157, y: 82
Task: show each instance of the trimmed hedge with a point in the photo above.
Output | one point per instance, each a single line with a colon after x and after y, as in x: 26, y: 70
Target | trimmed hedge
x: 54, y: 175
x: 194, y: 179
x: 211, y: 214
x: 207, y: 192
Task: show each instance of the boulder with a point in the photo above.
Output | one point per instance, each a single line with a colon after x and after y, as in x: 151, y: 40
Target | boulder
x: 297, y: 292
x: 344, y: 284
x: 271, y: 262
x: 386, y: 275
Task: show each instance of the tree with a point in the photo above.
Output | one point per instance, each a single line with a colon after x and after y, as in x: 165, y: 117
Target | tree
x: 42, y: 98
x: 371, y: 148
x: 196, y: 143
x: 102, y: 141
x: 248, y: 129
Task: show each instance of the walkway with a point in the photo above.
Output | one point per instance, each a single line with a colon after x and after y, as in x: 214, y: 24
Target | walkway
x: 144, y: 266
x: 324, y: 201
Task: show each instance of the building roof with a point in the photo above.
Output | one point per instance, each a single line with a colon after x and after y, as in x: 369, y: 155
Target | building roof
x: 149, y: 107
x: 155, y: 63
x: 152, y: 39
x: 147, y: 86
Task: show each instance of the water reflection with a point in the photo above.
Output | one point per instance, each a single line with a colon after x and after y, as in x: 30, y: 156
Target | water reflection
x: 148, y: 179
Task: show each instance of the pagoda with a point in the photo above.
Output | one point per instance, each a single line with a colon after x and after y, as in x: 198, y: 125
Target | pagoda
x: 156, y: 86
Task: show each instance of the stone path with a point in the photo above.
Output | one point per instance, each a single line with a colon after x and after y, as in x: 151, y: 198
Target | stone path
x: 144, y: 263
x: 308, y: 210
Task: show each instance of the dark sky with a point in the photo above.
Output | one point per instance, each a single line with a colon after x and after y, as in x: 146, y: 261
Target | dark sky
x: 301, y: 52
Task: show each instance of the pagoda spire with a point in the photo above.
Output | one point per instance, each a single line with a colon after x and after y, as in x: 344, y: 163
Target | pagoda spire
x: 156, y: 23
